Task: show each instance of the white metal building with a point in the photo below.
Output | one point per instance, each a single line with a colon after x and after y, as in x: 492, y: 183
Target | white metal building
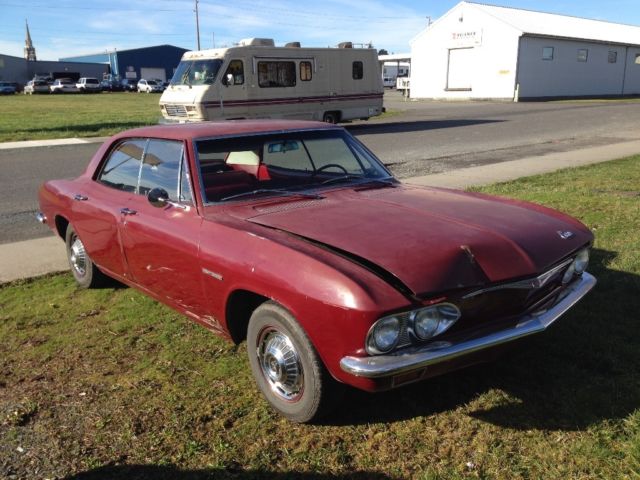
x: 489, y: 52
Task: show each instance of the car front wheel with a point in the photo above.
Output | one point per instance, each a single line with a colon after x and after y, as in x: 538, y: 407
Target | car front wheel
x: 286, y: 366
x: 84, y: 271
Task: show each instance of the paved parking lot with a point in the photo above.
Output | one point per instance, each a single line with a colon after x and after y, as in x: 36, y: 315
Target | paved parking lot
x: 415, y: 139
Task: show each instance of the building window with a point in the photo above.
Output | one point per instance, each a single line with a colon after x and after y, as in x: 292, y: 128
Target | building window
x: 613, y: 56
x: 583, y: 54
x: 276, y: 74
x: 305, y: 71
x: 547, y: 53
x: 637, y: 61
x: 357, y: 71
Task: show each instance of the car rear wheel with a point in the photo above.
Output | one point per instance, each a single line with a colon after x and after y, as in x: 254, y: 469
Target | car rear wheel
x: 286, y: 367
x: 84, y: 271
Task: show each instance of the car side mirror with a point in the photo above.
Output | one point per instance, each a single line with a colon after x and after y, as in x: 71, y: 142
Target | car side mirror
x: 158, y: 197
x: 228, y: 79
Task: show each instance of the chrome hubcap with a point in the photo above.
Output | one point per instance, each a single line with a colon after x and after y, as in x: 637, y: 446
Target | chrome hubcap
x: 280, y: 364
x: 78, y: 257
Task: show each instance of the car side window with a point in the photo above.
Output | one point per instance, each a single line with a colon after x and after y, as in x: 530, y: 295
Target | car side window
x: 161, y: 168
x: 123, y: 166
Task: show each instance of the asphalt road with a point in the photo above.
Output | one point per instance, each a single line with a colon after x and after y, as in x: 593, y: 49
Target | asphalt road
x: 422, y: 138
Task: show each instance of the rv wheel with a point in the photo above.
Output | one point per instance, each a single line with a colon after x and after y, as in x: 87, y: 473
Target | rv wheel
x: 331, y: 117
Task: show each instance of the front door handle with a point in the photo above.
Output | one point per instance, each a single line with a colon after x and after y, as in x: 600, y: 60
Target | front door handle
x: 80, y: 198
x: 127, y: 211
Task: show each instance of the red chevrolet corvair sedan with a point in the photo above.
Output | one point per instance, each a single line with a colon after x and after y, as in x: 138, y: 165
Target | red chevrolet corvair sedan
x: 293, y: 236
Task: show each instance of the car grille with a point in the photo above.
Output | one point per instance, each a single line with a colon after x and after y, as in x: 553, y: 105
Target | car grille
x: 176, y: 110
x: 502, y: 304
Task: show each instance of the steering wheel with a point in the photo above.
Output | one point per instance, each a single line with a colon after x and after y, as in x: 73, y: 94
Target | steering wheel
x: 330, y: 165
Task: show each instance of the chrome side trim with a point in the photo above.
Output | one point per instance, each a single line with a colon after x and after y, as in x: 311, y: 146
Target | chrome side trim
x: 526, y: 284
x: 440, y: 351
x: 41, y: 217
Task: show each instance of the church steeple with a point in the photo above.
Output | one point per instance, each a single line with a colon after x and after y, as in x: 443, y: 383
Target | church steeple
x: 29, y: 50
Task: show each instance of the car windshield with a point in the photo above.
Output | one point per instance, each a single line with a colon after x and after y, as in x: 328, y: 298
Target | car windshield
x: 293, y: 163
x: 196, y: 72
x: 151, y: 82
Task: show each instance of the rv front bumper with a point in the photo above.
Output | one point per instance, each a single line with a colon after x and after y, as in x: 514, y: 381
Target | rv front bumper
x: 437, y: 352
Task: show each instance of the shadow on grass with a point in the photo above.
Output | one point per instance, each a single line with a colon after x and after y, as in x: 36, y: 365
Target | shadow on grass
x: 416, y: 126
x: 583, y: 370
x: 140, y: 472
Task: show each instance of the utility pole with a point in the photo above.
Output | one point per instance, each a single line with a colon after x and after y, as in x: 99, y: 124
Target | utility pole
x: 197, y: 26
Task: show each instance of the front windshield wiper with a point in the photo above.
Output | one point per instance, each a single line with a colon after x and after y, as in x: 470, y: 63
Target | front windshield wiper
x: 277, y: 191
x: 390, y: 181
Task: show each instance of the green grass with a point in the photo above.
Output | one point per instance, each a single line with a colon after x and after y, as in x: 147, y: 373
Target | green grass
x: 37, y: 117
x: 110, y: 383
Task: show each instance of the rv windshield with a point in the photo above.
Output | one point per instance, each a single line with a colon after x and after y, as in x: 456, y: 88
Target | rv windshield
x: 196, y: 72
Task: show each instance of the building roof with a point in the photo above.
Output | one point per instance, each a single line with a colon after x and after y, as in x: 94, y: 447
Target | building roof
x: 530, y: 22
x: 554, y: 25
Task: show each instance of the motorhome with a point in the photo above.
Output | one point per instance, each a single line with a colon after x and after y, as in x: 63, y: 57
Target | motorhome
x: 256, y: 79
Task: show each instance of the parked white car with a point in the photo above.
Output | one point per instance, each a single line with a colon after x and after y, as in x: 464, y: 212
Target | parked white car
x: 36, y: 86
x: 150, y: 86
x: 63, y: 85
x: 88, y: 84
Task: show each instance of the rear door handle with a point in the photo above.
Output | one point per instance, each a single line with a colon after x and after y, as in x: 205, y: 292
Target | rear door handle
x: 127, y: 211
x: 80, y: 198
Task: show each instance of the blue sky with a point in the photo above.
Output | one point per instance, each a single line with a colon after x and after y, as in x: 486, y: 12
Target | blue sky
x: 69, y: 27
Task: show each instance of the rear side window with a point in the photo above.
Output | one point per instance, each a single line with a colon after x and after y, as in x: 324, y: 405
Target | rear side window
x: 305, y: 71
x: 357, y: 71
x: 276, y: 74
x: 123, y: 166
x: 161, y: 168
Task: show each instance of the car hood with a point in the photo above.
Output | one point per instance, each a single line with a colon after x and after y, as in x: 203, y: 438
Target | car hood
x: 431, y: 240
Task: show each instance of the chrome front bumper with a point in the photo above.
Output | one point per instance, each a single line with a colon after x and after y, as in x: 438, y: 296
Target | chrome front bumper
x: 441, y: 351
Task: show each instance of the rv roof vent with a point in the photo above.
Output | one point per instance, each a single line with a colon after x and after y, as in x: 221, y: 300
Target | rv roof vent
x: 257, y: 42
x: 293, y: 44
x: 345, y: 45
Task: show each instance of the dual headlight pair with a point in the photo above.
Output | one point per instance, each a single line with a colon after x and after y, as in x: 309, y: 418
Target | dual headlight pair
x: 578, y: 266
x: 424, y: 323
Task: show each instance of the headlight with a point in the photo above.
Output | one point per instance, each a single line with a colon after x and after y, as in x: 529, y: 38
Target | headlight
x: 431, y: 321
x: 581, y: 261
x: 384, y: 335
x: 568, y: 274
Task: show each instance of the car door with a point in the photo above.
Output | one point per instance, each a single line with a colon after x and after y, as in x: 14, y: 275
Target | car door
x: 98, y: 205
x: 161, y: 243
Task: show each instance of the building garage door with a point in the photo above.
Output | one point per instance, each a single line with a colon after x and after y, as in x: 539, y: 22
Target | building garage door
x: 155, y: 73
x: 461, y: 69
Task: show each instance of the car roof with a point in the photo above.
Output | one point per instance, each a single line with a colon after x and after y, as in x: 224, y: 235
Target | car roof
x: 201, y: 130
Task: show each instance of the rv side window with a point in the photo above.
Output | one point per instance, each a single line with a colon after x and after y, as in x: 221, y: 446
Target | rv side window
x: 357, y: 71
x: 305, y: 71
x: 236, y: 69
x: 276, y: 74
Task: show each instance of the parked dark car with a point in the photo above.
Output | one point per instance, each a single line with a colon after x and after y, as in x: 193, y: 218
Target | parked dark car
x: 294, y: 237
x: 7, y: 88
x: 129, y: 85
x: 111, y: 86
